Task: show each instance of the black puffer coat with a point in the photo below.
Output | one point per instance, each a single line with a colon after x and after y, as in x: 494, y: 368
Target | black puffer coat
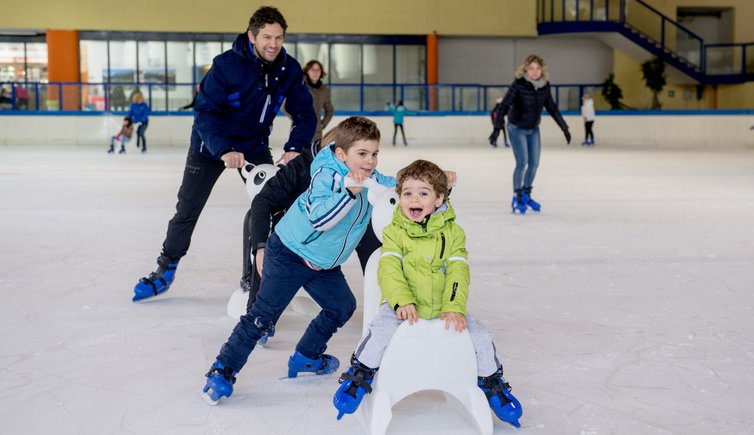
x: 523, y: 106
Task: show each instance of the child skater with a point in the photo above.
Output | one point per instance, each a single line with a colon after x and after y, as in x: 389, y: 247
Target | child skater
x: 424, y: 273
x: 309, y: 244
x: 587, y: 112
x: 126, y: 131
x: 398, y: 113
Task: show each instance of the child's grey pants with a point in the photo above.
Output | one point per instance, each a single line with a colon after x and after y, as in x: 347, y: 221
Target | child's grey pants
x: 373, y: 344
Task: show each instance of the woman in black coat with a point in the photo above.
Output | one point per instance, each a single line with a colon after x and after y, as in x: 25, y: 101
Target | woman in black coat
x: 523, y: 104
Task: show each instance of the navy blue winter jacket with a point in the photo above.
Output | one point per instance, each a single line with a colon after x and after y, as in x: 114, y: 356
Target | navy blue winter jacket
x: 239, y: 98
x: 523, y: 106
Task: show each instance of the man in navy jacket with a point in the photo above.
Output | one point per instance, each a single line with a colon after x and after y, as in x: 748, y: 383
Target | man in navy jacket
x: 237, y: 102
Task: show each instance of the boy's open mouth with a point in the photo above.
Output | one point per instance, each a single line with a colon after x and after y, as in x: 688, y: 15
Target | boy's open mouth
x: 415, y: 213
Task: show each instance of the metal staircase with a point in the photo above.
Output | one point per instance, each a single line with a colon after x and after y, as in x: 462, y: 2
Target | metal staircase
x: 655, y: 33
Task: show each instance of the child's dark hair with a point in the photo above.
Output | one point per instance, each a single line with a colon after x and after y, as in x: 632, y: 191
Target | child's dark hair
x: 352, y: 129
x: 129, y: 120
x: 426, y: 171
x: 266, y: 15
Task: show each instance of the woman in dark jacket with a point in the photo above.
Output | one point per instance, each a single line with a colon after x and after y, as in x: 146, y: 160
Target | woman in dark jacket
x: 523, y: 104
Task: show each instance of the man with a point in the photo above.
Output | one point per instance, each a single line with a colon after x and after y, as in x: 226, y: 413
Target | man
x: 237, y: 102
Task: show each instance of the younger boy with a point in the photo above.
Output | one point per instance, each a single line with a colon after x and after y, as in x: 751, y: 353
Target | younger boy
x: 309, y: 244
x: 424, y: 273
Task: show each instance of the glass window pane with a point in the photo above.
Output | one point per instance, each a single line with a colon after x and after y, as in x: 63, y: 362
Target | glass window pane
x: 12, y: 67
x: 316, y: 51
x: 377, y: 97
x: 346, y: 97
x: 411, y: 64
x: 345, y: 64
x: 152, y: 70
x: 291, y: 50
x: 122, y: 62
x: 227, y: 45
x: 36, y: 61
x: 180, y: 65
x: 378, y: 63
x: 205, y: 52
x: 93, y: 61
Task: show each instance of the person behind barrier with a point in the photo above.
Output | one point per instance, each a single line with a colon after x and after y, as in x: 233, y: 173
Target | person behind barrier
x: 317, y: 234
x: 314, y: 72
x: 237, y: 102
x: 424, y: 273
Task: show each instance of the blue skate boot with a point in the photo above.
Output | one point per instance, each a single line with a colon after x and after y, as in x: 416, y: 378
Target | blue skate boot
x: 263, y: 340
x: 505, y: 406
x: 517, y: 203
x: 157, y: 282
x: 220, y: 380
x: 323, y: 365
x: 526, y: 199
x: 355, y: 383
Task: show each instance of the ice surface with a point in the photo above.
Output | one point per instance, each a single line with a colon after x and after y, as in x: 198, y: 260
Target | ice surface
x: 622, y: 308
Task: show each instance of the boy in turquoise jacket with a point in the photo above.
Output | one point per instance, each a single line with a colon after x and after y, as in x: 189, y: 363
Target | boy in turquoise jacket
x: 312, y: 240
x: 424, y: 273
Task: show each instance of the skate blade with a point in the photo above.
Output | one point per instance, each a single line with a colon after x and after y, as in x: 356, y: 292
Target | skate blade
x: 210, y: 400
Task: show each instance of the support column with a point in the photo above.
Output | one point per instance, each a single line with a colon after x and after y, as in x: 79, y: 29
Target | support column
x: 432, y: 69
x: 63, y: 66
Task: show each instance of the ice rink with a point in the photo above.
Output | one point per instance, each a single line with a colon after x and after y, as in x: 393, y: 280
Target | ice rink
x: 621, y: 308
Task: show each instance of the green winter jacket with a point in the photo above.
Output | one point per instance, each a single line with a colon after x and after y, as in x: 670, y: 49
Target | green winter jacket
x: 425, y: 264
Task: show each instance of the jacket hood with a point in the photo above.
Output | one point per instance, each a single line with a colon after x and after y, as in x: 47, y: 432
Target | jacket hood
x: 431, y: 225
x: 326, y: 157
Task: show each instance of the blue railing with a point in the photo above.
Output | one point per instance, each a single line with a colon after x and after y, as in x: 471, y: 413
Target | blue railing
x: 648, y: 27
x: 67, y: 97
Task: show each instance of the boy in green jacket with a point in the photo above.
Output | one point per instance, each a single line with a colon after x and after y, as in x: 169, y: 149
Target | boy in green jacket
x: 424, y: 273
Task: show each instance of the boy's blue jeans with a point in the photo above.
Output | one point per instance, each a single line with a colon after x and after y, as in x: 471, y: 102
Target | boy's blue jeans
x: 526, y: 148
x: 283, y: 274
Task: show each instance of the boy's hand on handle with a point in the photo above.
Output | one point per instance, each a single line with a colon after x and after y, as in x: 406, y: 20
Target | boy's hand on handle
x: 407, y: 312
x: 567, y: 136
x: 259, y: 260
x: 233, y: 159
x: 459, y: 322
x: 357, y: 178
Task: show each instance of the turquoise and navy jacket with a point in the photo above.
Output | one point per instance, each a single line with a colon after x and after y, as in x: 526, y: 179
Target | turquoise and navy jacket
x: 326, y: 222
x: 239, y: 98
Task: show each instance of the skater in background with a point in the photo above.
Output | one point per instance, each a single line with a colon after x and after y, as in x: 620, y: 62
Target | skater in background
x: 417, y: 283
x: 587, y: 112
x: 123, y: 136
x: 523, y: 103
x: 139, y: 114
x: 314, y: 72
x: 493, y: 136
x: 317, y: 234
x: 399, y: 112
x: 262, y: 75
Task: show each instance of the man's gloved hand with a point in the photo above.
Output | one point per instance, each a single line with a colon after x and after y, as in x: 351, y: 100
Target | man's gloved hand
x: 493, y: 136
x: 567, y: 136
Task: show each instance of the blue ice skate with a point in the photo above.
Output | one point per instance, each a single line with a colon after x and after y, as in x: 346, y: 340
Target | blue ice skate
x: 505, y: 406
x: 157, y: 282
x: 323, y: 365
x: 263, y: 339
x: 220, y: 380
x: 527, y: 200
x: 517, y: 205
x: 355, y: 383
